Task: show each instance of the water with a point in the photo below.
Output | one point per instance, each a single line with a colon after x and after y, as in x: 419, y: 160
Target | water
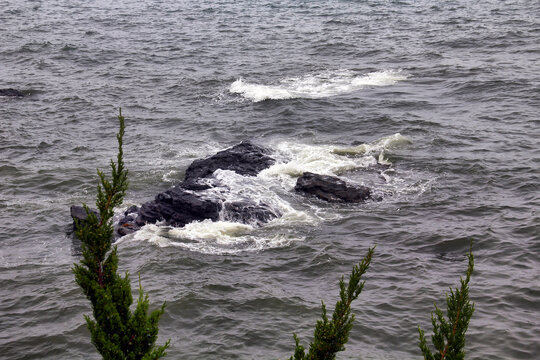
x: 446, y: 93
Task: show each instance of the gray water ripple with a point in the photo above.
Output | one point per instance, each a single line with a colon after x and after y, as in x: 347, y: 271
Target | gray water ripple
x: 469, y: 107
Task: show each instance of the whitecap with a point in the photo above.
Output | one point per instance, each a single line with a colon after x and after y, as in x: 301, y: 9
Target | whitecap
x: 294, y: 159
x: 317, y: 85
x: 258, y: 92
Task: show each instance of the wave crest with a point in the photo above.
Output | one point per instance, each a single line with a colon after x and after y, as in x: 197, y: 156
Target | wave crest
x: 313, y: 86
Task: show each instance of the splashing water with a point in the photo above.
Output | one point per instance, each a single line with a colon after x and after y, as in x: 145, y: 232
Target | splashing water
x: 325, y: 84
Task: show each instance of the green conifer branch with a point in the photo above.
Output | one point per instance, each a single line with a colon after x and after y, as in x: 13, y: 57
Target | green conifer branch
x: 115, y: 331
x: 449, y: 336
x: 330, y: 336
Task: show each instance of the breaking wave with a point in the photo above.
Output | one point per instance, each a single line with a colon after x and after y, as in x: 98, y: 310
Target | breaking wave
x: 325, y: 84
x: 294, y: 159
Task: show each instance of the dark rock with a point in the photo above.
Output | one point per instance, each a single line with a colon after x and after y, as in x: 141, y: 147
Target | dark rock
x: 249, y: 213
x: 132, y: 209
x: 11, y: 92
x: 194, y: 185
x: 244, y: 158
x: 78, y: 213
x: 331, y: 188
x: 187, y: 201
x: 177, y: 207
x: 125, y: 230
x: 129, y: 219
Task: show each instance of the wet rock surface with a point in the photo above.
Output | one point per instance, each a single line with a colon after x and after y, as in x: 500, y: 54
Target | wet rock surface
x: 331, y: 188
x: 188, y: 201
x: 177, y: 207
x: 245, y: 159
x: 249, y: 213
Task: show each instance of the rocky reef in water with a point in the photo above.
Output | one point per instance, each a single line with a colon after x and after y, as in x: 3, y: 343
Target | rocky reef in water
x: 192, y: 199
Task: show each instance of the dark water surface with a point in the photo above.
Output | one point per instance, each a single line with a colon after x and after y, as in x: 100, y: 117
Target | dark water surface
x: 448, y: 94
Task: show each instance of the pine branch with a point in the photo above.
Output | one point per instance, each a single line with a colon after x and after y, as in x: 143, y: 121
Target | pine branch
x: 449, y: 336
x: 115, y: 331
x: 330, y: 336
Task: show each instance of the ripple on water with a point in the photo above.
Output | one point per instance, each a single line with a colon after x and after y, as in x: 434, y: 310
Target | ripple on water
x: 304, y: 79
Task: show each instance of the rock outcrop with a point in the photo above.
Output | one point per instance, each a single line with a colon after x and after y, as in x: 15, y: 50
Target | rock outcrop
x: 245, y: 159
x: 202, y: 195
x: 189, y: 201
x: 331, y: 188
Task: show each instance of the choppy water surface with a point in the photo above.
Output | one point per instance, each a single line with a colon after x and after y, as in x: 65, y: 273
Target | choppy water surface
x: 446, y: 94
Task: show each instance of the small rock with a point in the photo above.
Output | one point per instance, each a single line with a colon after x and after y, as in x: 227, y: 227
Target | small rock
x: 132, y: 209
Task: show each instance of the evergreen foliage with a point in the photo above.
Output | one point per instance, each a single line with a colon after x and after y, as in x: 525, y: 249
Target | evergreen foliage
x: 116, y: 332
x: 449, y: 335
x: 331, y: 335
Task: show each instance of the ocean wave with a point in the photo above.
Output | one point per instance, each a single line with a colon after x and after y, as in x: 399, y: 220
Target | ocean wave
x: 313, y: 86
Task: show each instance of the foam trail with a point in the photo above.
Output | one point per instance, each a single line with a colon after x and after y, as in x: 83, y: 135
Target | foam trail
x: 312, y: 86
x: 258, y: 92
x: 241, y: 244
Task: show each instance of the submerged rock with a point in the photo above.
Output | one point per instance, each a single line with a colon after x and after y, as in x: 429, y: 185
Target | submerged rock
x: 331, y: 188
x: 11, y: 92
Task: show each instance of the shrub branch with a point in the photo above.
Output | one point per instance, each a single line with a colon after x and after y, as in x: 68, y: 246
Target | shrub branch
x: 115, y: 331
x: 449, y: 335
x: 330, y: 336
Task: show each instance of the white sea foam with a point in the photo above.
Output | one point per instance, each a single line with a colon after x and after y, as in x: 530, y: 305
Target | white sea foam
x: 255, y: 190
x: 240, y: 244
x: 218, y: 238
x: 300, y: 158
x: 320, y: 85
x: 295, y: 159
x: 222, y: 232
